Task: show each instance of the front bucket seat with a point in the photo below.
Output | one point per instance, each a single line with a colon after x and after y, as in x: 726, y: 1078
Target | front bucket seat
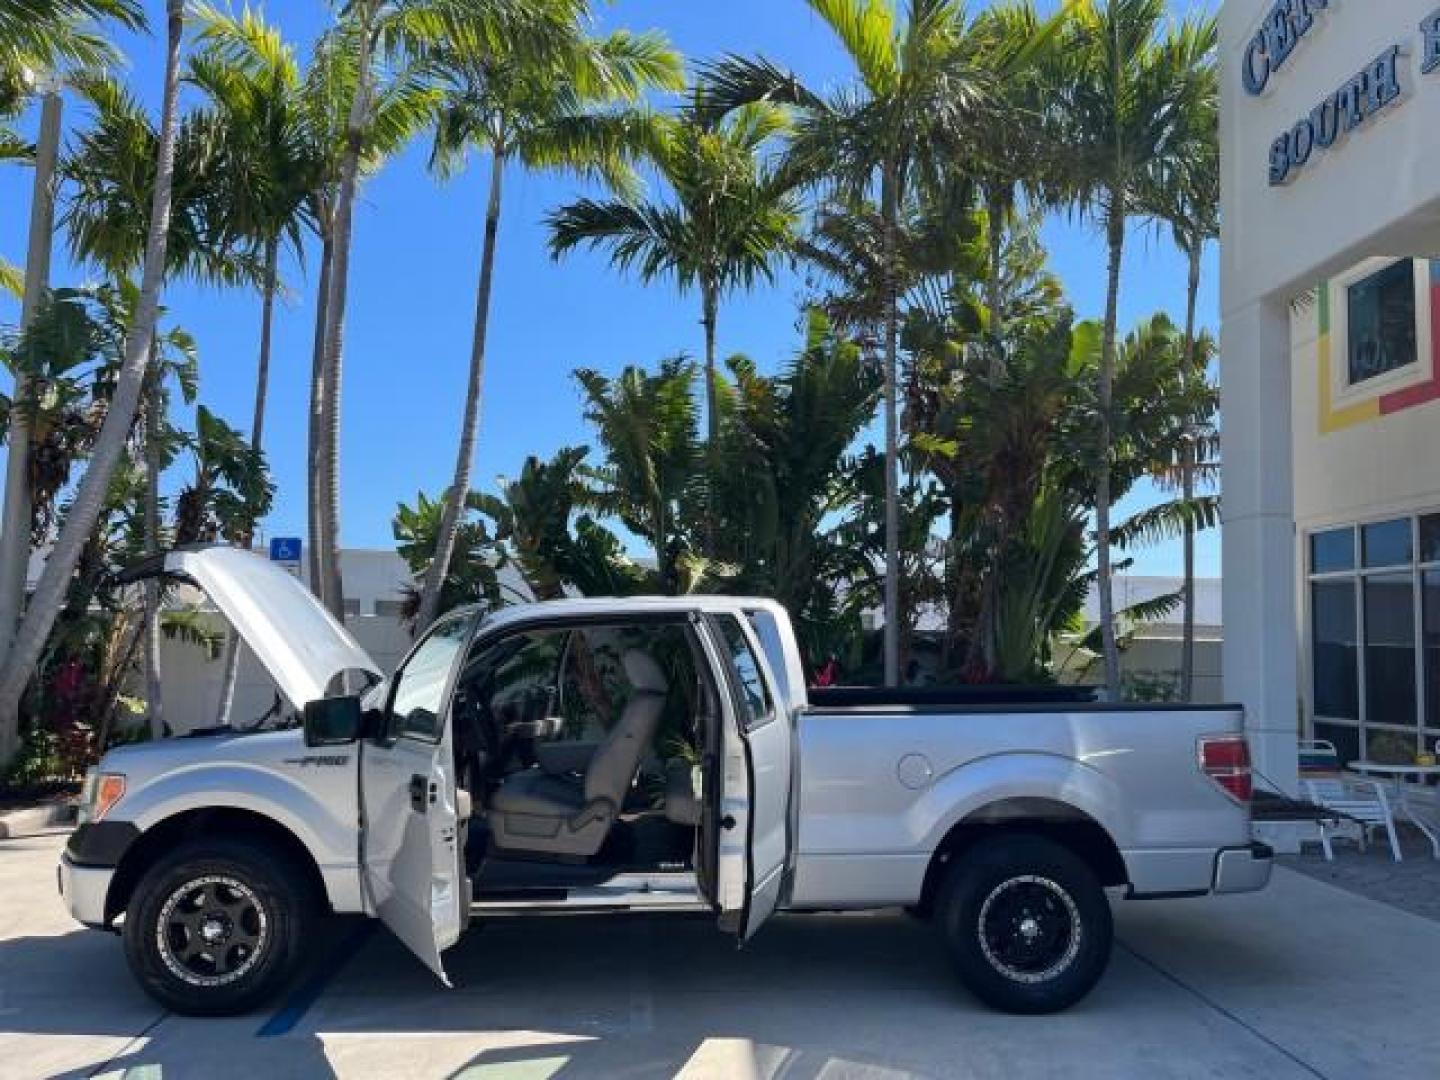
x: 571, y: 815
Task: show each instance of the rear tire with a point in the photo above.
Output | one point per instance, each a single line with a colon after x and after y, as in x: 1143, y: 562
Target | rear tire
x: 218, y: 926
x: 1026, y: 922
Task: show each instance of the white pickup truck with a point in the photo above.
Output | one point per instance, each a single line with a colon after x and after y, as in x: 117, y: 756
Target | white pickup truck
x: 637, y: 755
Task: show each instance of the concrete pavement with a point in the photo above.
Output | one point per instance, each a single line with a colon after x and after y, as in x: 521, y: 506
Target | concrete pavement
x: 1302, y: 981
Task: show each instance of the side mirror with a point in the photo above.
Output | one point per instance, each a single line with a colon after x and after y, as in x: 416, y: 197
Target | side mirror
x: 333, y: 721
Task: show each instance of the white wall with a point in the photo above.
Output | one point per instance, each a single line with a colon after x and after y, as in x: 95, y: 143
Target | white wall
x: 1375, y: 192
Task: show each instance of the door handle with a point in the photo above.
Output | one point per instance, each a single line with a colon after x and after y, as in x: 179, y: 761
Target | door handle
x: 422, y: 793
x: 728, y: 822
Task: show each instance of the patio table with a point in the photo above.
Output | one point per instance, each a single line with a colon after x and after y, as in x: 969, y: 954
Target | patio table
x: 1402, y: 801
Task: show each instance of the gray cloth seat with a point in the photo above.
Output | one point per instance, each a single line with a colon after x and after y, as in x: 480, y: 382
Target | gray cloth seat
x: 682, y: 797
x: 571, y: 815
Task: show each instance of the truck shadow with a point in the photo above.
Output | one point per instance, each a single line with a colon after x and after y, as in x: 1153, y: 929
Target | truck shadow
x: 810, y: 997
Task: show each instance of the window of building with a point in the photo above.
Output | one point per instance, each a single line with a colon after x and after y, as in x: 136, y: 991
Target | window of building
x: 1387, y: 543
x: 1430, y: 615
x: 352, y: 606
x: 1430, y: 538
x: 1332, y: 550
x: 1374, y: 633
x: 1381, y: 320
x: 1390, y: 649
x: 1336, y: 649
x: 393, y: 608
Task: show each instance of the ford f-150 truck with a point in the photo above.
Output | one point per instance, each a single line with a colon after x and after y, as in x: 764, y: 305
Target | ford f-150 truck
x: 636, y: 755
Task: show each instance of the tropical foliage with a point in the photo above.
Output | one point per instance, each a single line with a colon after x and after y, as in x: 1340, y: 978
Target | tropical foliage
x: 908, y: 197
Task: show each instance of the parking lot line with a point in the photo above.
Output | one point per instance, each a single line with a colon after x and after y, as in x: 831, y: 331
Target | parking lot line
x: 285, y: 1018
x: 1215, y: 1006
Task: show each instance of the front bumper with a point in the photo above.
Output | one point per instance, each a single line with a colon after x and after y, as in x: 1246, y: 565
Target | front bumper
x: 1243, y: 869
x: 84, y: 890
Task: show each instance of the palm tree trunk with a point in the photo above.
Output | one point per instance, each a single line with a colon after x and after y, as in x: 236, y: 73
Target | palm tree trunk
x: 1115, y: 235
x: 889, y: 210
x: 333, y: 589
x: 15, y: 530
x: 267, y: 318
x: 231, y: 665
x: 154, y: 423
x: 994, y: 287
x: 316, y: 483
x: 709, y: 315
x: 455, y: 498
x: 110, y: 444
x: 1187, y: 493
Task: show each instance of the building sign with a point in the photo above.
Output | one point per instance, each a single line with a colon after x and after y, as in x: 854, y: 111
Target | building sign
x: 1284, y: 27
x: 1360, y: 98
x: 1370, y: 91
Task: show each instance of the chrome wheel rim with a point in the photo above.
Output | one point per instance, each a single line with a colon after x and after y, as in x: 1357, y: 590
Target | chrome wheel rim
x: 1029, y: 929
x: 212, y: 931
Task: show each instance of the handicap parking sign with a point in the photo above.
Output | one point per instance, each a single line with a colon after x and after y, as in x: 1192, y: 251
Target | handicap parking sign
x: 285, y: 549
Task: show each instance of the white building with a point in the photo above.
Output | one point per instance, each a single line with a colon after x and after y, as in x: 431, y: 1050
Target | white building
x: 1330, y: 141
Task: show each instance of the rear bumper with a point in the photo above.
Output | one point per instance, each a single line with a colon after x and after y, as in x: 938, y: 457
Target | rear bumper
x: 84, y: 890
x: 1243, y: 869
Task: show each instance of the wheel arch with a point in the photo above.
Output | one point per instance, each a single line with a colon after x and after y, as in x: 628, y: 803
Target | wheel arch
x: 228, y: 822
x: 1053, y: 819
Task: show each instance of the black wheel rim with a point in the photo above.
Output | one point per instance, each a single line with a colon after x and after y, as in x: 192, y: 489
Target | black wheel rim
x: 212, y: 931
x: 1029, y: 929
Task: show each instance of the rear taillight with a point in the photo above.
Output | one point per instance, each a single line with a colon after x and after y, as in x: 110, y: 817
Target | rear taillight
x: 1225, y: 759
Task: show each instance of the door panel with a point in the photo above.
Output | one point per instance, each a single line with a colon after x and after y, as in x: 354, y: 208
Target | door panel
x: 413, y: 851
x: 754, y: 813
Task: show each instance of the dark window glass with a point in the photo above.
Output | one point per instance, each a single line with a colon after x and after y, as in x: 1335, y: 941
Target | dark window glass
x: 1337, y: 693
x: 1382, y: 322
x: 1389, y: 649
x: 1346, y: 740
x: 1387, y: 543
x: 418, y: 706
x: 747, y: 667
x: 1430, y: 604
x: 1333, y: 550
x: 1430, y: 538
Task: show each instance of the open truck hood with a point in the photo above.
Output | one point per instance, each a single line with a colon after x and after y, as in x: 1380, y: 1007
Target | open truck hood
x: 301, y: 644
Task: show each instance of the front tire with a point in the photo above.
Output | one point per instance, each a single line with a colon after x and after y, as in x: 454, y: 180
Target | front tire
x: 217, y: 926
x: 1026, y: 922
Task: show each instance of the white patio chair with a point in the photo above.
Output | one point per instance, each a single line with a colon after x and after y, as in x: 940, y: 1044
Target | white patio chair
x: 1360, y: 799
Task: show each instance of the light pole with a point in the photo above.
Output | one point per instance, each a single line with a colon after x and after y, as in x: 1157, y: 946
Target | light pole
x: 15, y: 525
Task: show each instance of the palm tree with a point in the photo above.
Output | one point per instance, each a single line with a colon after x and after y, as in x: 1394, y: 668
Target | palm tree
x: 1014, y: 151
x: 1187, y: 192
x: 647, y: 426
x: 110, y: 445
x: 409, y: 33
x: 49, y: 36
x: 254, y: 83
x: 401, y: 107
x: 57, y: 35
x: 112, y: 171
x: 1123, y: 95
x: 543, y: 112
x: 922, y: 82
x: 729, y: 218
x: 787, y: 481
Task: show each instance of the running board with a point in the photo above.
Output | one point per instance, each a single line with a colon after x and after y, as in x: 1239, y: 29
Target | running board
x: 626, y: 892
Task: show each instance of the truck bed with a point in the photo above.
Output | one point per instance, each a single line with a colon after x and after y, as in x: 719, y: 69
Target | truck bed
x: 844, y: 697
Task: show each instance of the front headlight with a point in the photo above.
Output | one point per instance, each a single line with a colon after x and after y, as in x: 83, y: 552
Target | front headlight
x: 99, y: 794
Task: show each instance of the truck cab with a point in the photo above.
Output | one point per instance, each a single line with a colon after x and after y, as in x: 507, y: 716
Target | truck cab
x: 593, y: 755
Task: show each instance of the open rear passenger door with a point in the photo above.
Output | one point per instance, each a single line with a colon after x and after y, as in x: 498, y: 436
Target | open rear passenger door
x: 752, y: 815
x: 413, y: 853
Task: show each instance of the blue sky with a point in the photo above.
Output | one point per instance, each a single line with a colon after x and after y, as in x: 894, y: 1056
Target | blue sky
x: 412, y: 290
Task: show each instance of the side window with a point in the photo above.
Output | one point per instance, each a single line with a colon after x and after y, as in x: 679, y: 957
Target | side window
x: 418, y: 703
x: 758, y: 708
